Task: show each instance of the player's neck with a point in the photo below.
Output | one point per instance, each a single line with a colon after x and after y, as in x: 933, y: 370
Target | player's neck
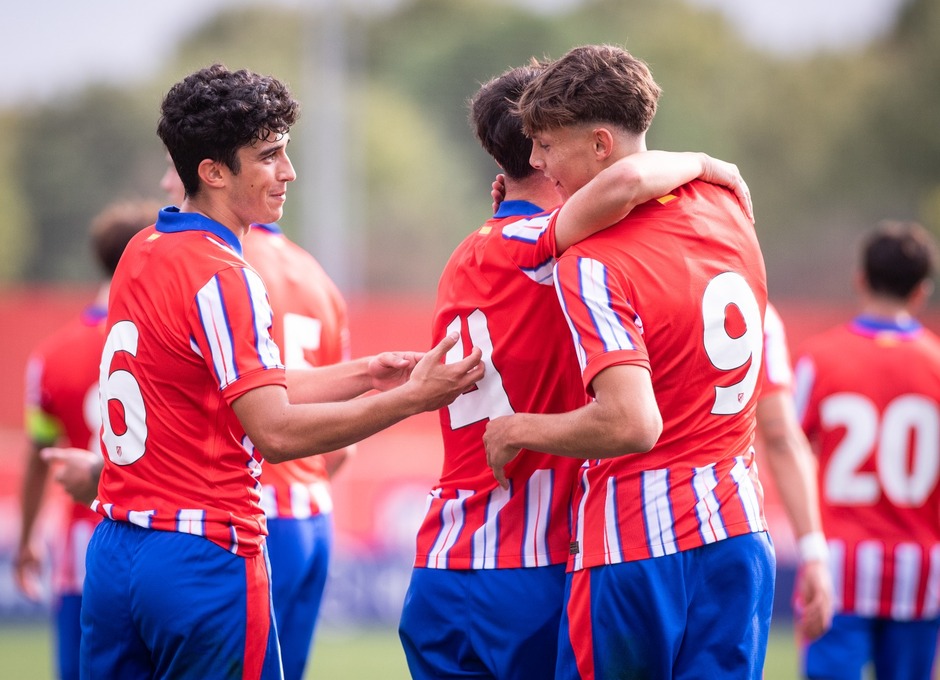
x: 888, y: 309
x: 217, y: 213
x: 535, y: 188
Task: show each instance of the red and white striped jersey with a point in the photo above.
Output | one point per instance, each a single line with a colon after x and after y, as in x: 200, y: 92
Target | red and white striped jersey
x: 678, y: 287
x: 497, y: 291
x: 188, y: 333
x: 311, y: 329
x: 868, y: 396
x: 61, y: 408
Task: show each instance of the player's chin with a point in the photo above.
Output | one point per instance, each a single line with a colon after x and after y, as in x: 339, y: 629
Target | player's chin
x: 275, y: 211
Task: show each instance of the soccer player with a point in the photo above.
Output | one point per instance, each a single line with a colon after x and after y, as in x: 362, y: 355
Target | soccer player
x: 671, y: 567
x: 868, y: 396
x: 497, y: 556
x: 192, y: 389
x: 310, y: 328
x: 61, y: 409
x: 793, y: 467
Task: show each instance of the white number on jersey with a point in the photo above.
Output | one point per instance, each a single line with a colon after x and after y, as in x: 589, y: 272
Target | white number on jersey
x: 122, y: 387
x: 489, y: 399
x: 907, y: 476
x: 301, y: 334
x: 729, y: 353
x: 91, y: 412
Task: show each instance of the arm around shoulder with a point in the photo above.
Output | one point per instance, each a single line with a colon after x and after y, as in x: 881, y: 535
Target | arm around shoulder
x: 635, y: 179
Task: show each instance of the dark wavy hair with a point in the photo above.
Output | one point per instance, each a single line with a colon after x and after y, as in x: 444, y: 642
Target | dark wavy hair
x: 897, y: 257
x: 497, y: 125
x: 214, y: 112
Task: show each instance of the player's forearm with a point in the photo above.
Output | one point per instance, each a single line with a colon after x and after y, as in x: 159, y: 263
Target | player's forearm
x: 617, y: 189
x: 795, y: 479
x: 787, y: 453
x: 335, y: 382
x: 589, y: 432
x: 32, y: 491
x: 300, y: 430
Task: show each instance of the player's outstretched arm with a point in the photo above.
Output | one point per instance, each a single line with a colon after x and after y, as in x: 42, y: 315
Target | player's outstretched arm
x: 350, y: 379
x: 283, y: 430
x: 636, y: 179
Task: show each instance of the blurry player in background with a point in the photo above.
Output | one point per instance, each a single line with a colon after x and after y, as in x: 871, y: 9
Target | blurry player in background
x: 791, y: 462
x: 486, y: 593
x: 868, y: 396
x: 310, y: 328
x: 62, y: 409
x: 193, y: 390
x: 672, y: 567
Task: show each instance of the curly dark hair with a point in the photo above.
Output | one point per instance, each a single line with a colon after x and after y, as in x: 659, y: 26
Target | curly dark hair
x: 496, y: 124
x: 214, y: 112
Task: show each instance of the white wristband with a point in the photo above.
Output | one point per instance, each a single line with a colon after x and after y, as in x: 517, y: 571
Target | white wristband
x: 813, y: 546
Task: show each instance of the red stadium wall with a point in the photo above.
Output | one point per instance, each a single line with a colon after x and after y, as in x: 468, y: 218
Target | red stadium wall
x: 380, y: 494
x: 408, y: 454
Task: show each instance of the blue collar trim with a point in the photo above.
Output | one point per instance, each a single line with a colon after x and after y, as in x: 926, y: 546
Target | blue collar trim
x: 517, y: 209
x: 172, y: 221
x: 272, y: 228
x: 875, y: 324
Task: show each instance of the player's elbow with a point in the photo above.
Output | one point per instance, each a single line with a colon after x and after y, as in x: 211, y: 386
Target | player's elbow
x: 636, y: 434
x: 647, y: 432
x: 281, y: 444
x: 273, y: 445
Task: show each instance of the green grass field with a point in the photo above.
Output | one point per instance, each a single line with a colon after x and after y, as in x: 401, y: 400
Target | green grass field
x: 361, y: 655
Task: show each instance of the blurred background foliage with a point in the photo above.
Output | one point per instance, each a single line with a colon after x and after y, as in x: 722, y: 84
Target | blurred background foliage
x: 829, y: 143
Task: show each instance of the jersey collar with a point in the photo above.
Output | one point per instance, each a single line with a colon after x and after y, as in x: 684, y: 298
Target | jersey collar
x: 272, y: 228
x: 517, y: 209
x: 172, y: 221
x: 872, y: 325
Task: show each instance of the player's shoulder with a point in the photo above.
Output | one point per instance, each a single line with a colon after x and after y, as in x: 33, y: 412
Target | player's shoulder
x: 831, y: 341
x: 88, y: 325
x: 931, y: 341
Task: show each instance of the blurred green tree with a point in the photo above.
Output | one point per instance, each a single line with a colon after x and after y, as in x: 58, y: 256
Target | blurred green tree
x: 829, y: 142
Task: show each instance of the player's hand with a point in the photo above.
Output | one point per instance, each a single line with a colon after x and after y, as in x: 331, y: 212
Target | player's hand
x: 27, y: 568
x: 498, y: 191
x: 727, y: 175
x: 813, y: 599
x: 437, y: 383
x: 77, y: 470
x: 499, y: 450
x: 392, y: 369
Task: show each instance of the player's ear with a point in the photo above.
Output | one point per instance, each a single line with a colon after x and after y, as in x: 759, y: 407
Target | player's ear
x: 603, y: 142
x: 919, y: 296
x: 211, y: 173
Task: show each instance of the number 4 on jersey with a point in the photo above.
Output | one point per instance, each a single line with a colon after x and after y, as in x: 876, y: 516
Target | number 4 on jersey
x: 489, y: 398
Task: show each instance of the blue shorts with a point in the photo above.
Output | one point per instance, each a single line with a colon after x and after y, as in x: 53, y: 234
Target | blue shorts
x: 299, y: 550
x: 898, y: 650
x: 68, y: 635
x: 482, y: 623
x: 161, y: 604
x: 701, y: 613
